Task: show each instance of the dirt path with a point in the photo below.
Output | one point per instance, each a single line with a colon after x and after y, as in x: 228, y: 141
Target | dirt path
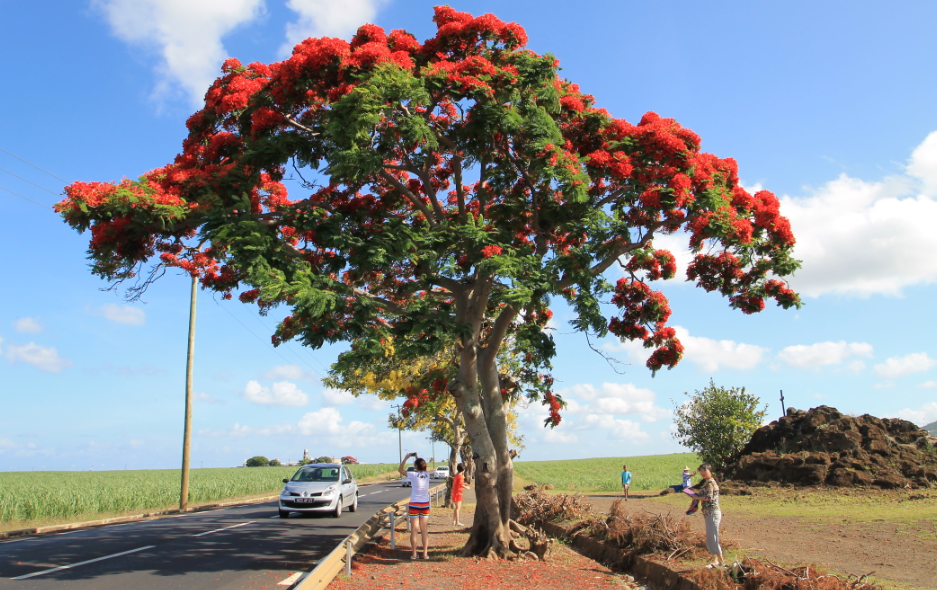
x: 847, y: 547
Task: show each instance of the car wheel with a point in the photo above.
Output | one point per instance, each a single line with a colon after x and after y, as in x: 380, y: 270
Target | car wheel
x: 284, y: 513
x: 338, y: 507
x: 354, y: 505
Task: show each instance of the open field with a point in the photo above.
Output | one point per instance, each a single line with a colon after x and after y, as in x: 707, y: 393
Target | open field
x: 28, y: 498
x: 651, y: 472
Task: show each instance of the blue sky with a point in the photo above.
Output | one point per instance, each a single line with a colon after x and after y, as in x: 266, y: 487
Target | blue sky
x: 830, y: 105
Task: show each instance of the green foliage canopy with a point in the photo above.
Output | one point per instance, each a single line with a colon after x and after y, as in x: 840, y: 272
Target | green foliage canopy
x: 717, y: 422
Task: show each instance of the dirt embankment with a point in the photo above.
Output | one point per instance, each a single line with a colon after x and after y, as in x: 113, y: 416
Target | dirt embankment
x: 825, y: 447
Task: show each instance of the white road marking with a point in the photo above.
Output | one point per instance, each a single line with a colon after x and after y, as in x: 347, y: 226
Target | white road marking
x: 289, y: 581
x: 277, y: 516
x: 234, y: 526
x: 65, y: 567
x: 362, y: 495
x: 19, y: 540
x: 68, y: 533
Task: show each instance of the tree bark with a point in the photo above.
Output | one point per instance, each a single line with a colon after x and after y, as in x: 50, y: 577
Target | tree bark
x: 478, y: 394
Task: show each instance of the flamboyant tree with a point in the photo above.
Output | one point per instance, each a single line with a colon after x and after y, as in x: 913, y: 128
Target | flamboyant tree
x: 459, y: 184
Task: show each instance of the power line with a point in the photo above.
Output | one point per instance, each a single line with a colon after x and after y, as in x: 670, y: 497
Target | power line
x: 33, y: 165
x: 261, y: 339
x: 289, y: 348
x: 27, y: 198
x: 31, y: 182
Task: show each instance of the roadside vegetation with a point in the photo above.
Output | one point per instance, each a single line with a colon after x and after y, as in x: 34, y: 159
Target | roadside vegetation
x: 651, y: 472
x: 38, y: 498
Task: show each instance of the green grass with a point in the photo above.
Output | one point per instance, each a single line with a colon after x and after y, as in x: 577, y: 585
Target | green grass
x: 43, y: 496
x: 651, y: 472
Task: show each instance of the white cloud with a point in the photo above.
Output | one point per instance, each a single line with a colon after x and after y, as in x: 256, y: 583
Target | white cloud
x: 923, y: 164
x: 186, y: 35
x: 318, y: 18
x: 617, y: 429
x: 554, y: 436
x: 929, y: 384
x: 28, y: 326
x: 900, y: 366
x: 707, y: 354
x: 325, y: 424
x: 863, y: 238
x: 337, y: 397
x: 44, y: 358
x: 282, y: 393
x: 616, y: 398
x: 822, y: 354
x: 291, y: 372
x: 921, y: 416
x: 122, y: 314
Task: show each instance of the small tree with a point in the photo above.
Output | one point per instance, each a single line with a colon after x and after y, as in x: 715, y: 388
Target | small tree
x: 717, y: 422
x: 258, y: 461
x: 349, y: 460
x: 323, y: 459
x: 275, y: 463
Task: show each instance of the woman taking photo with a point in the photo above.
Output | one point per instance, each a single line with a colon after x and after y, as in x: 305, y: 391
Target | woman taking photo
x: 418, y: 510
x: 708, y: 493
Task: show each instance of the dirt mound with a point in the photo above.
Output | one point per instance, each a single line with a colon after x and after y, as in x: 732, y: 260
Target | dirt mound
x: 824, y: 447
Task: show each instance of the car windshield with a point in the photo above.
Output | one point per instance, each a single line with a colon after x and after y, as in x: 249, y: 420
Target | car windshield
x: 317, y: 474
x: 411, y: 468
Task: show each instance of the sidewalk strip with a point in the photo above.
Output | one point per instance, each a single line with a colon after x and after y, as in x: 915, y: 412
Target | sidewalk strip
x: 65, y: 567
x: 234, y: 526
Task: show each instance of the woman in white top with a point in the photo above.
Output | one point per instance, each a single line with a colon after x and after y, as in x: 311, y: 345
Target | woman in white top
x: 418, y: 510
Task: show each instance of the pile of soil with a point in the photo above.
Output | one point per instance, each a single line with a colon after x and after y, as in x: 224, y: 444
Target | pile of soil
x: 824, y: 447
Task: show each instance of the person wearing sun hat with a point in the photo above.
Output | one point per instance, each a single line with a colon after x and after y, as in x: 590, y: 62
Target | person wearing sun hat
x: 687, y: 477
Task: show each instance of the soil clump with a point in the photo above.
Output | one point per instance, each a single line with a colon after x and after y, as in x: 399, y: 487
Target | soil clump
x: 822, y: 446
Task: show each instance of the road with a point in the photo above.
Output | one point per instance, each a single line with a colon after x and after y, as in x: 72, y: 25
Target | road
x: 231, y: 548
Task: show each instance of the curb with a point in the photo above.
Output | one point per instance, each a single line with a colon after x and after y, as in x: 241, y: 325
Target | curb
x: 615, y: 557
x: 333, y: 564
x: 129, y: 518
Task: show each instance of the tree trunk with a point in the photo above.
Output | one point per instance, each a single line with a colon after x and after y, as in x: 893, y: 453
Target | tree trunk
x: 455, y: 447
x: 468, y: 461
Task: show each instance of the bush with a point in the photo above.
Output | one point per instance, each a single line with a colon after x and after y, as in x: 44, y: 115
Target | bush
x: 717, y: 422
x: 258, y: 461
x: 322, y: 459
x: 275, y: 463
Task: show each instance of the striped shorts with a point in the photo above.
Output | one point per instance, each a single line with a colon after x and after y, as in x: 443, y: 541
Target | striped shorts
x: 418, y: 510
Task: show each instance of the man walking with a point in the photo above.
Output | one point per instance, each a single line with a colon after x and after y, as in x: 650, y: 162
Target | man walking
x: 625, y: 481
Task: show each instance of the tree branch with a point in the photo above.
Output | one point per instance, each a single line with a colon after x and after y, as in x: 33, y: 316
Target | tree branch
x: 299, y: 126
x: 498, y: 331
x: 379, y: 301
x: 417, y: 202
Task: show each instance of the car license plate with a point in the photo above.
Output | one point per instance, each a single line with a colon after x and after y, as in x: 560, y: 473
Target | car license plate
x: 305, y: 500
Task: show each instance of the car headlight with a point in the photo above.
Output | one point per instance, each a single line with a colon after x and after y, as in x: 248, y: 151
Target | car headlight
x: 328, y: 491
x: 284, y: 492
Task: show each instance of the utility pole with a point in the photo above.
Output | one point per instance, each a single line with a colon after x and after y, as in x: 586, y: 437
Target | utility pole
x: 399, y: 439
x: 187, y: 433
x: 783, y: 411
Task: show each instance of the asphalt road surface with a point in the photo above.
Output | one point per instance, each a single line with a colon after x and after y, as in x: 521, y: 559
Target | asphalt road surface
x: 239, y: 547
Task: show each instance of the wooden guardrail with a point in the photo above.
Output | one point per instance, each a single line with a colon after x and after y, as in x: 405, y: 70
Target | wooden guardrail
x: 340, y: 557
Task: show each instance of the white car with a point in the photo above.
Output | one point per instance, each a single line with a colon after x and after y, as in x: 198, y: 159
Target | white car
x: 405, y: 481
x: 441, y: 472
x: 322, y: 487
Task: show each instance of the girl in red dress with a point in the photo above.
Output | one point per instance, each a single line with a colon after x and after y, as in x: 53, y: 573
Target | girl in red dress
x: 458, y: 484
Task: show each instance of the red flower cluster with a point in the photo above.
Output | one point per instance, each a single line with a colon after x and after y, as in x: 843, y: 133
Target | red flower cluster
x: 489, y: 251
x: 555, y: 405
